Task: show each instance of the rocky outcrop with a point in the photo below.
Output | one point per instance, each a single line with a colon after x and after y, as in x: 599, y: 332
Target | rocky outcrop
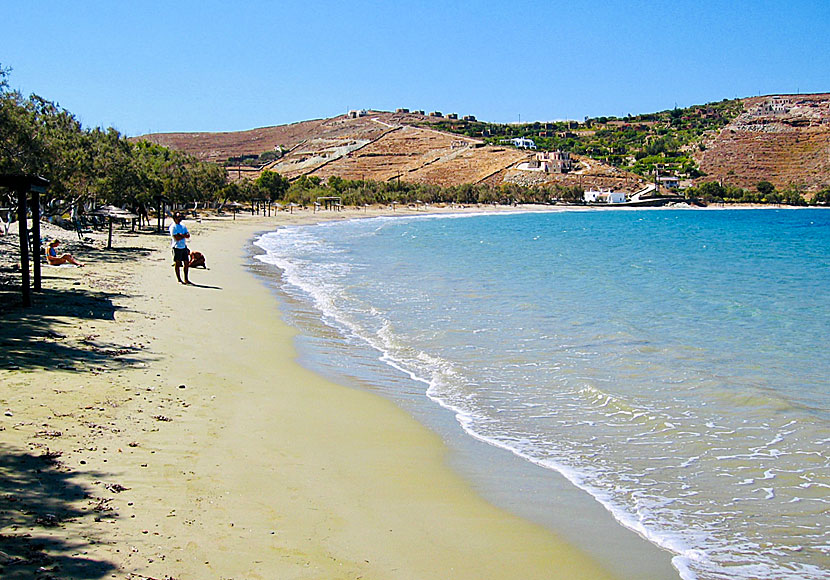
x: 781, y: 139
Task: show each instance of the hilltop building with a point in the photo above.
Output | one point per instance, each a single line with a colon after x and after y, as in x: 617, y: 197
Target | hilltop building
x: 774, y: 107
x: 549, y: 162
x: 520, y: 142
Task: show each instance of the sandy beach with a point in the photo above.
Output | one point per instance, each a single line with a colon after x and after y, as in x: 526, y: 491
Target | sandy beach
x: 154, y: 430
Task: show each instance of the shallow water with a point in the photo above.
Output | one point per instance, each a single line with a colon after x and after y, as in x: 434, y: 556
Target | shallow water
x: 668, y: 362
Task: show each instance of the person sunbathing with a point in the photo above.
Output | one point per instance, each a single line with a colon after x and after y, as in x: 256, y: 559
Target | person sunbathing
x: 55, y: 260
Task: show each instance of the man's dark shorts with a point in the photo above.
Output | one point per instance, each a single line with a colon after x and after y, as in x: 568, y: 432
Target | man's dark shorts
x: 181, y: 255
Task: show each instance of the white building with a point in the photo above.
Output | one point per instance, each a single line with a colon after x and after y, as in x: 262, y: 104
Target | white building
x: 669, y: 182
x: 521, y: 142
x: 549, y: 162
x: 592, y: 196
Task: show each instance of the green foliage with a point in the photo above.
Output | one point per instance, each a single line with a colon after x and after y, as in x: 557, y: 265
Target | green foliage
x: 669, y: 135
x: 710, y: 191
x: 822, y: 197
x: 83, y: 165
x: 307, y: 189
x: 714, y: 192
x: 765, y: 188
x: 271, y: 185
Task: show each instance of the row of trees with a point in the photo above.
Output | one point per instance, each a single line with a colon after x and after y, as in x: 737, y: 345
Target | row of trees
x: 100, y: 166
x: 763, y: 193
x: 94, y: 165
x: 306, y: 190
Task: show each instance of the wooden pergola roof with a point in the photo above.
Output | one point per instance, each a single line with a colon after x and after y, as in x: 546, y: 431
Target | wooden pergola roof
x: 22, y: 185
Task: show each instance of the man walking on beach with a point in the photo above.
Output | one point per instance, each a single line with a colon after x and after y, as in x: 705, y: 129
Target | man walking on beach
x: 179, y: 235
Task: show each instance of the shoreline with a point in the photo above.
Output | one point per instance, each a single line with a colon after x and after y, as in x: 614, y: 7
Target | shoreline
x: 181, y: 439
x: 97, y: 389
x: 537, y: 493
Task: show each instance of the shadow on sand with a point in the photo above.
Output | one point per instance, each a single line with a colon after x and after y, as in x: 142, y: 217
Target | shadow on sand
x: 37, y: 493
x: 34, y: 338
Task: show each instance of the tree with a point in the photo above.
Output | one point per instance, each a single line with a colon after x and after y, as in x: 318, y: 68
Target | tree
x: 271, y: 185
x: 765, y: 188
x: 21, y: 149
x: 822, y: 197
x: 711, y: 191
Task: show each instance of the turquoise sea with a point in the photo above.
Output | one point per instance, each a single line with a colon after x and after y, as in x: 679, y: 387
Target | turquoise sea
x: 671, y: 364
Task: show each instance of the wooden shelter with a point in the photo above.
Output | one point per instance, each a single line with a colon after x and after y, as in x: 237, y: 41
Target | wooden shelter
x: 330, y: 202
x: 22, y: 185
x: 113, y: 213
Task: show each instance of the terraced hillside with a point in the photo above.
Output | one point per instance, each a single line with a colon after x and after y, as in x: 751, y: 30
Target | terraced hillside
x: 218, y: 147
x: 379, y: 146
x: 781, y: 139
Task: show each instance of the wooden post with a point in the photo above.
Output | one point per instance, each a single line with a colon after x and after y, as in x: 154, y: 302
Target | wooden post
x: 24, y: 247
x: 36, y: 240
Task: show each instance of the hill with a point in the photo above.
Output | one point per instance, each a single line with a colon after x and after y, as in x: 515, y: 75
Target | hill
x: 381, y: 146
x: 781, y: 139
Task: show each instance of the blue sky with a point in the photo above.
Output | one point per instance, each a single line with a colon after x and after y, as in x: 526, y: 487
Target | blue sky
x: 225, y: 66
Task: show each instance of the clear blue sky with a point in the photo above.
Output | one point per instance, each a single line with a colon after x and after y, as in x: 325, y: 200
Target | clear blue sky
x: 150, y: 66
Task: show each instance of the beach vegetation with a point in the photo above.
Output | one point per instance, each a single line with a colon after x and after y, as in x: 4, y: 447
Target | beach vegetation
x: 306, y: 190
x: 765, y: 188
x: 88, y: 167
x: 715, y: 192
x: 271, y: 185
x: 822, y: 197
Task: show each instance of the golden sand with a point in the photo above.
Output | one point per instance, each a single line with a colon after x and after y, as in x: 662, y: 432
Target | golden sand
x: 155, y: 430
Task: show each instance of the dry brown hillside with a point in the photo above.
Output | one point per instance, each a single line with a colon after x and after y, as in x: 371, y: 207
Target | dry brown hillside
x: 781, y: 139
x: 380, y: 146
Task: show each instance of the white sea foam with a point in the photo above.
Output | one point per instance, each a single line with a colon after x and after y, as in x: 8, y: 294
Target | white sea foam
x: 676, y: 462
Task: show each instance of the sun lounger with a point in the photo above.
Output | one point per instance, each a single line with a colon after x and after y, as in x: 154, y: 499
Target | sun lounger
x: 80, y: 229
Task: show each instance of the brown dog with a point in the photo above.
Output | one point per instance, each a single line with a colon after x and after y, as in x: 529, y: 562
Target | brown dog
x: 197, y: 260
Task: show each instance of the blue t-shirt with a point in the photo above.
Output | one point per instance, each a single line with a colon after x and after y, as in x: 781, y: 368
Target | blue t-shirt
x: 178, y: 228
